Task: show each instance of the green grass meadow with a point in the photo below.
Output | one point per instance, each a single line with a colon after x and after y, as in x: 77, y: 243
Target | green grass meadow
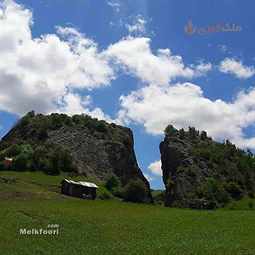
x: 114, y: 227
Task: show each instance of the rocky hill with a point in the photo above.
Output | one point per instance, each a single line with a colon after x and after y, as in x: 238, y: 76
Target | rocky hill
x: 201, y: 173
x: 78, y: 144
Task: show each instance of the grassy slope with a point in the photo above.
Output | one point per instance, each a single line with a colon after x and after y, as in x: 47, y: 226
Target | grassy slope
x: 112, y: 227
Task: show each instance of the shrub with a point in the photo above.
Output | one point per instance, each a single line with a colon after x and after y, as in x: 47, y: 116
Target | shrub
x: 39, y: 161
x: 57, y: 120
x: 202, y: 152
x: 24, y: 160
x: 181, y: 133
x: 76, y: 119
x: 234, y: 189
x: 203, y: 135
x: 103, y: 193
x: 101, y: 127
x: 250, y: 204
x: 170, y: 130
x: 62, y: 160
x: 135, y: 191
x: 52, y: 159
x: 113, y: 185
x: 159, y: 197
x: 213, y: 191
x: 193, y: 133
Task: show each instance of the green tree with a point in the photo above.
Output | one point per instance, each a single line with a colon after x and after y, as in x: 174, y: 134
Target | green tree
x: 234, y: 189
x: 113, y: 184
x: 135, y: 191
x: 23, y: 161
x: 203, y: 135
x: 181, y: 133
x: 193, y: 133
x: 170, y: 130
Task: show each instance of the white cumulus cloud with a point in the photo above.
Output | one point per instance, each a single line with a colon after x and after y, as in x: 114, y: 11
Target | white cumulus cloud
x: 75, y: 104
x: 203, y: 68
x: 36, y: 73
x: 135, y: 56
x: 184, y: 105
x: 155, y: 168
x: 237, y: 68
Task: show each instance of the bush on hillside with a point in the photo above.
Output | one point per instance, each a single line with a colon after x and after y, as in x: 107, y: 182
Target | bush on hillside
x: 159, y: 197
x: 113, y: 185
x: 104, y: 194
x: 49, y: 158
x: 214, y: 192
x: 203, y: 135
x: 62, y: 160
x: 170, y: 130
x: 234, y: 189
x: 135, y: 191
x: 24, y: 160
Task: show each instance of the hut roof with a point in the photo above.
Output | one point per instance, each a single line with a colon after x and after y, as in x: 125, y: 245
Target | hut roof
x: 85, y: 184
x: 8, y: 159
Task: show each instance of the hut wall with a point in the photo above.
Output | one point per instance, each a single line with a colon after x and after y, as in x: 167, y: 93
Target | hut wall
x: 78, y: 190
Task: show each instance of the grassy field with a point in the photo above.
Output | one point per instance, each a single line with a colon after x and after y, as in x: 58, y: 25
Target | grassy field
x: 31, y: 200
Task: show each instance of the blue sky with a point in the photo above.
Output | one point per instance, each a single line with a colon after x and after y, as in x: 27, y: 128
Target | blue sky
x: 140, y: 67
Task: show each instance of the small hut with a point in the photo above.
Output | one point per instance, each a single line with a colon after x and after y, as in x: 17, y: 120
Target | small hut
x: 8, y: 163
x: 85, y: 190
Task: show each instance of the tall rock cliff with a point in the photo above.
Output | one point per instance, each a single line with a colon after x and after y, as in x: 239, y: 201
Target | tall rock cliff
x: 201, y: 173
x: 97, y: 149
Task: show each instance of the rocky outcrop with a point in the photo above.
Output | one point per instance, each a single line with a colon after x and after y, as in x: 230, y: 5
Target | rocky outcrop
x: 201, y: 173
x: 98, y: 149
